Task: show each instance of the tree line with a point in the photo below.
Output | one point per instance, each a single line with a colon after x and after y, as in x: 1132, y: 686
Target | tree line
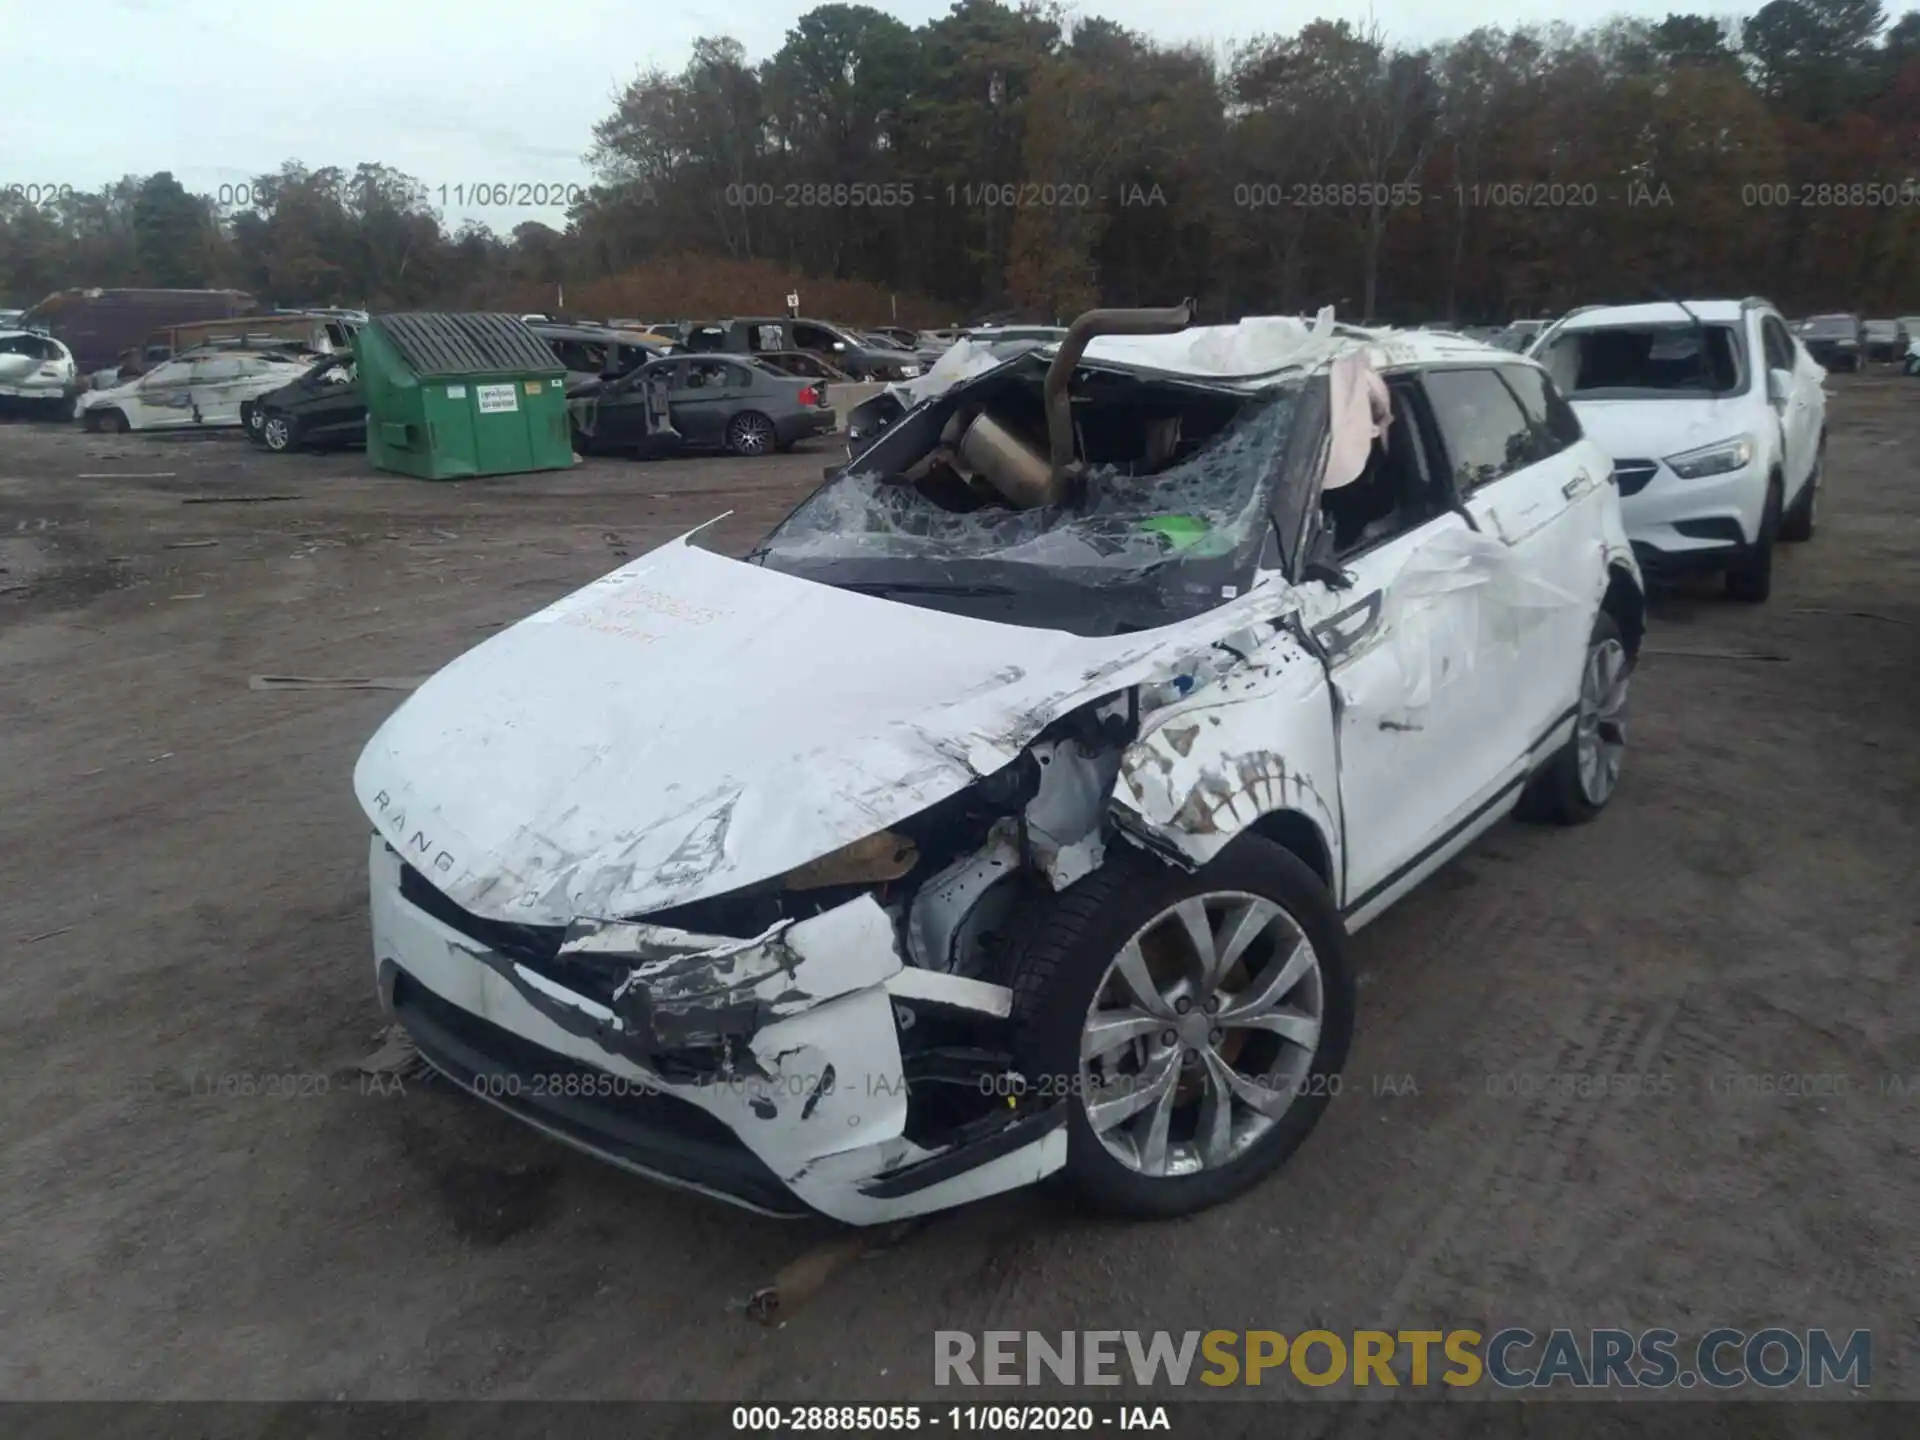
x: 1023, y: 161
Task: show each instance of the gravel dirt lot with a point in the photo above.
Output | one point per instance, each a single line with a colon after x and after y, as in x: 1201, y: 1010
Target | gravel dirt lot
x: 184, y: 900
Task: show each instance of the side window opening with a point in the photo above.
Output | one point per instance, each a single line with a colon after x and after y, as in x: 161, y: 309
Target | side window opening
x: 1395, y: 492
x: 1485, y: 432
x: 1777, y: 344
x: 1552, y: 416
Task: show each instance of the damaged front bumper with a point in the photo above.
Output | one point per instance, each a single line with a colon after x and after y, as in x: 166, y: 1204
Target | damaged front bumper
x: 768, y: 1072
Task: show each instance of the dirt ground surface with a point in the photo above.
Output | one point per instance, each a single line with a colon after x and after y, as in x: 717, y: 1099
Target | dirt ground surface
x: 184, y: 903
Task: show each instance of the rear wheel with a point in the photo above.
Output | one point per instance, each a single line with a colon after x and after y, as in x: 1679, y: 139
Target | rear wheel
x: 1194, y: 1024
x: 111, y: 421
x: 1576, y: 784
x: 750, y: 433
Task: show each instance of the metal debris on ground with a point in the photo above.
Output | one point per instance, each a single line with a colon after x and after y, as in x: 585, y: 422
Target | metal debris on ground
x: 46, y: 935
x: 799, y: 1280
x: 234, y: 499
x: 190, y: 544
x: 396, y: 1055
x: 334, y: 682
x: 153, y: 475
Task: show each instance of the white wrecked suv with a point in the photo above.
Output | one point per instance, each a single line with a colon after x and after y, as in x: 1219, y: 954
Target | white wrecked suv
x: 1007, y: 810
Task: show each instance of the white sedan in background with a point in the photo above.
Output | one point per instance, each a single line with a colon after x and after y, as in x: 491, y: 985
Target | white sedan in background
x: 191, y: 390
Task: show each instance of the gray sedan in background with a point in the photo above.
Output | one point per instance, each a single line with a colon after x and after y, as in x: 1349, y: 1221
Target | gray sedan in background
x: 698, y: 402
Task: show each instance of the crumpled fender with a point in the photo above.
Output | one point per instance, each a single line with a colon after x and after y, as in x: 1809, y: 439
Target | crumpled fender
x: 1258, y: 739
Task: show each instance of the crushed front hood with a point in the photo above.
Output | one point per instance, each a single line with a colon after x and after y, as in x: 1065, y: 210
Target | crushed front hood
x: 690, y: 724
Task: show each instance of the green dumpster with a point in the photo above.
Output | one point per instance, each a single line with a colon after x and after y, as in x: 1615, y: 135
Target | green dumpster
x: 449, y: 396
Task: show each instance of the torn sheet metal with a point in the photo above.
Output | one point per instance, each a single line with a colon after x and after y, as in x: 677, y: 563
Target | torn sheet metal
x: 1257, y: 345
x: 1505, y: 598
x: 691, y: 724
x: 948, y: 906
x: 960, y: 361
x: 822, y: 1103
x: 1064, y: 818
x: 1252, y: 740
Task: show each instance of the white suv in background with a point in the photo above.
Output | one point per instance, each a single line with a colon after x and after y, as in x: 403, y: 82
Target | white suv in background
x: 37, y: 369
x: 1715, y: 416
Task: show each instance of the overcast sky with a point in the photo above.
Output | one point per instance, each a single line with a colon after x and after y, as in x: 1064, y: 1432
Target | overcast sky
x: 462, y: 92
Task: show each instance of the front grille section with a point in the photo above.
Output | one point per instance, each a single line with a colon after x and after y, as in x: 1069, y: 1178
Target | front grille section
x: 1632, y: 476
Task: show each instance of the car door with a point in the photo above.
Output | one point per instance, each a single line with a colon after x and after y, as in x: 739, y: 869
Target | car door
x: 629, y: 411
x: 163, y: 398
x: 1529, y: 482
x: 703, y: 399
x: 1794, y: 391
x: 1395, y: 634
x: 330, y: 403
x: 218, y: 385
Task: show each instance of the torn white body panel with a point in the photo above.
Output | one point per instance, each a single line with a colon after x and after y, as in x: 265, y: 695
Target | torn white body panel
x: 822, y: 1108
x: 1255, y: 742
x: 690, y: 724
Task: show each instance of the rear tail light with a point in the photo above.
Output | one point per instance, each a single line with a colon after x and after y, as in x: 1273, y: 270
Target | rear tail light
x: 809, y: 395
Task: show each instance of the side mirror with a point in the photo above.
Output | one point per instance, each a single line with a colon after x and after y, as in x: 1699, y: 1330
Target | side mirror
x: 1779, y: 387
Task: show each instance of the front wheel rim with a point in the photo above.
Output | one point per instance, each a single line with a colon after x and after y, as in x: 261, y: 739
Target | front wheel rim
x: 1600, y: 732
x: 1201, y: 1035
x: 275, y: 433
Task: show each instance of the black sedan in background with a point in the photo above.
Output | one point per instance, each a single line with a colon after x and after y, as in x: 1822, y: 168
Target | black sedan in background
x: 686, y: 402
x: 322, y: 407
x: 1839, y: 342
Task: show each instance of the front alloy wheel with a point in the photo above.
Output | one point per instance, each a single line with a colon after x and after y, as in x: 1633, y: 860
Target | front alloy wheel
x: 1201, y: 1034
x: 276, y: 433
x: 1191, y: 1023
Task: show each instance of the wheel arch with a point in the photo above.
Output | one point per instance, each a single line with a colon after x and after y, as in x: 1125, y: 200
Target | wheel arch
x: 1298, y: 832
x: 1626, y: 602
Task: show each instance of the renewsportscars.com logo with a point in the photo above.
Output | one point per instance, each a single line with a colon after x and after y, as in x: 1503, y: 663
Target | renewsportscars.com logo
x: 1511, y: 1359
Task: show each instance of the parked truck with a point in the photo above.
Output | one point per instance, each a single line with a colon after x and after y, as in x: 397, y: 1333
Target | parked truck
x: 99, y: 326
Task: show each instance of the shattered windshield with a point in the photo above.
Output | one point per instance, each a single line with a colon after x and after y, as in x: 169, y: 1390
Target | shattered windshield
x: 1171, y: 518
x: 1208, y: 505
x: 1646, y: 362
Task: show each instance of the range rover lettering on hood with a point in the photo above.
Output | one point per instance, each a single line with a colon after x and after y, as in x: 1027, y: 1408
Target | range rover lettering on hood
x: 691, y: 724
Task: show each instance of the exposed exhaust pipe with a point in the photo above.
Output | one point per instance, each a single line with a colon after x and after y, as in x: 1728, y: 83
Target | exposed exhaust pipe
x: 1013, y: 466
x: 1079, y: 334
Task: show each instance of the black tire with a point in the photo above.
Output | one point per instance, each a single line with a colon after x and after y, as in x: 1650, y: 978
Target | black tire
x: 1555, y: 794
x: 280, y: 433
x: 110, y: 421
x: 1062, y: 960
x: 750, y: 433
x: 1750, y: 580
x: 1797, y: 525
